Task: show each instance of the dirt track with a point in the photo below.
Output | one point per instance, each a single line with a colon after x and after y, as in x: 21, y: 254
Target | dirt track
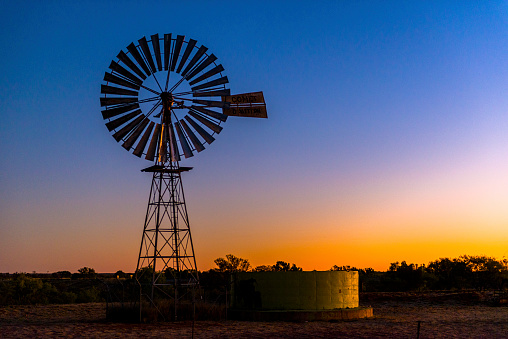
x: 393, y: 318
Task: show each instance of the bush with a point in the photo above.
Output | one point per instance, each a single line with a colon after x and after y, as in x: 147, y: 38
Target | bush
x: 89, y: 295
x: 28, y: 290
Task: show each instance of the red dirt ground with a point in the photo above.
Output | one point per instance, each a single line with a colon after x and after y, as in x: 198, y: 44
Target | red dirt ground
x: 393, y: 317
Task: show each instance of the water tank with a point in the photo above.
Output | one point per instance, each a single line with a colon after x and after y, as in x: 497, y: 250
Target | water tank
x: 294, y: 290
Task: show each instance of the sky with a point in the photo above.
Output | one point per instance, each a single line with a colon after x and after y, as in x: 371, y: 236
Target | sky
x: 385, y: 139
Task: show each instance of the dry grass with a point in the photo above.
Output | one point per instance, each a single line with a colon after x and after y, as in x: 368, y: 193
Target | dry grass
x: 394, y: 317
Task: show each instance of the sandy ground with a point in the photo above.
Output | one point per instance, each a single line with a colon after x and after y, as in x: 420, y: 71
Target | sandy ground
x: 395, y: 319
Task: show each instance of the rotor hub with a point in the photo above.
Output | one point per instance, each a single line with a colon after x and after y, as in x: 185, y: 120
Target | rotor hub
x: 167, y: 99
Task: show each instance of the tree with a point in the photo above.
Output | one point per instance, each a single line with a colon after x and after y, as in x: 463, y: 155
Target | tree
x: 285, y: 266
x: 486, y: 272
x: 279, y: 266
x: 61, y: 274
x: 405, y: 277
x: 28, y: 290
x: 343, y: 268
x: 368, y: 270
x: 232, y: 264
x: 450, y: 273
x: 87, y: 272
x: 263, y: 268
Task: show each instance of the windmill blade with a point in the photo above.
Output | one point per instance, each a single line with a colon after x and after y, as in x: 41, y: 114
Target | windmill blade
x: 216, y: 82
x: 150, y: 153
x: 209, y: 59
x: 209, y: 112
x: 148, y: 55
x: 175, y: 154
x: 194, y: 139
x: 135, y: 135
x: 167, y: 50
x: 202, y: 50
x: 139, y: 59
x: 109, y: 113
x: 144, y: 139
x: 117, y: 101
x: 217, y: 69
x: 127, y: 128
x: 183, y: 141
x: 119, y: 81
x: 188, y: 50
x: 211, y: 125
x: 105, y: 89
x: 126, y: 60
x: 204, y: 134
x: 217, y: 93
x: 157, y: 50
x: 122, y: 71
x: 114, y: 124
x: 176, y: 52
x: 211, y: 103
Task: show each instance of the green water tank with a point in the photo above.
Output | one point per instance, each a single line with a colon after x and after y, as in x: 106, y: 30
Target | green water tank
x: 298, y: 290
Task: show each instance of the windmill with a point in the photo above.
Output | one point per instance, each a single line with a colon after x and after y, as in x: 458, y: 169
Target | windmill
x: 165, y: 98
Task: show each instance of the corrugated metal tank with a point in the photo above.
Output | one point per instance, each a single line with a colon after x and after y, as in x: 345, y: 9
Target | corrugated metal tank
x: 297, y: 290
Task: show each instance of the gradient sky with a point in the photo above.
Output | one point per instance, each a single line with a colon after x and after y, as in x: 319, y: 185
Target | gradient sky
x: 387, y: 137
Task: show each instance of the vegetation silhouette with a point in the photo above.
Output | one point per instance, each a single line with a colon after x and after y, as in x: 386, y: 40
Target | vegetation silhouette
x: 232, y: 264
x: 466, y: 272
x: 278, y: 267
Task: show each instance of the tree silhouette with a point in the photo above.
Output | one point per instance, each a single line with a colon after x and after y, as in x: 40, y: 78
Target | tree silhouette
x: 487, y: 272
x: 85, y: 272
x: 343, y: 268
x: 232, y: 264
x: 263, y: 268
x: 406, y: 277
x: 285, y: 266
x: 449, y: 273
x: 279, y: 266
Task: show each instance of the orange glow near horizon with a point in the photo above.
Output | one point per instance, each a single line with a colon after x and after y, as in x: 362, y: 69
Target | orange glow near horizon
x: 360, y: 224
x: 363, y: 254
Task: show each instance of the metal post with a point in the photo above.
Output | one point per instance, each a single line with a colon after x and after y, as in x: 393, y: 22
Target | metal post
x: 175, y: 232
x: 157, y: 227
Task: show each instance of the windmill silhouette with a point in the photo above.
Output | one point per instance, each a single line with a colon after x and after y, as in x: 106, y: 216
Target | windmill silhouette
x: 164, y: 99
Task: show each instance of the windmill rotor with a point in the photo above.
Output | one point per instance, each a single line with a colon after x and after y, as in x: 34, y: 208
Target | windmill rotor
x: 162, y: 98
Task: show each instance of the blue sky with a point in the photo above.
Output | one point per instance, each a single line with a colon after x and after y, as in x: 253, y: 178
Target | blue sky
x: 386, y: 138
